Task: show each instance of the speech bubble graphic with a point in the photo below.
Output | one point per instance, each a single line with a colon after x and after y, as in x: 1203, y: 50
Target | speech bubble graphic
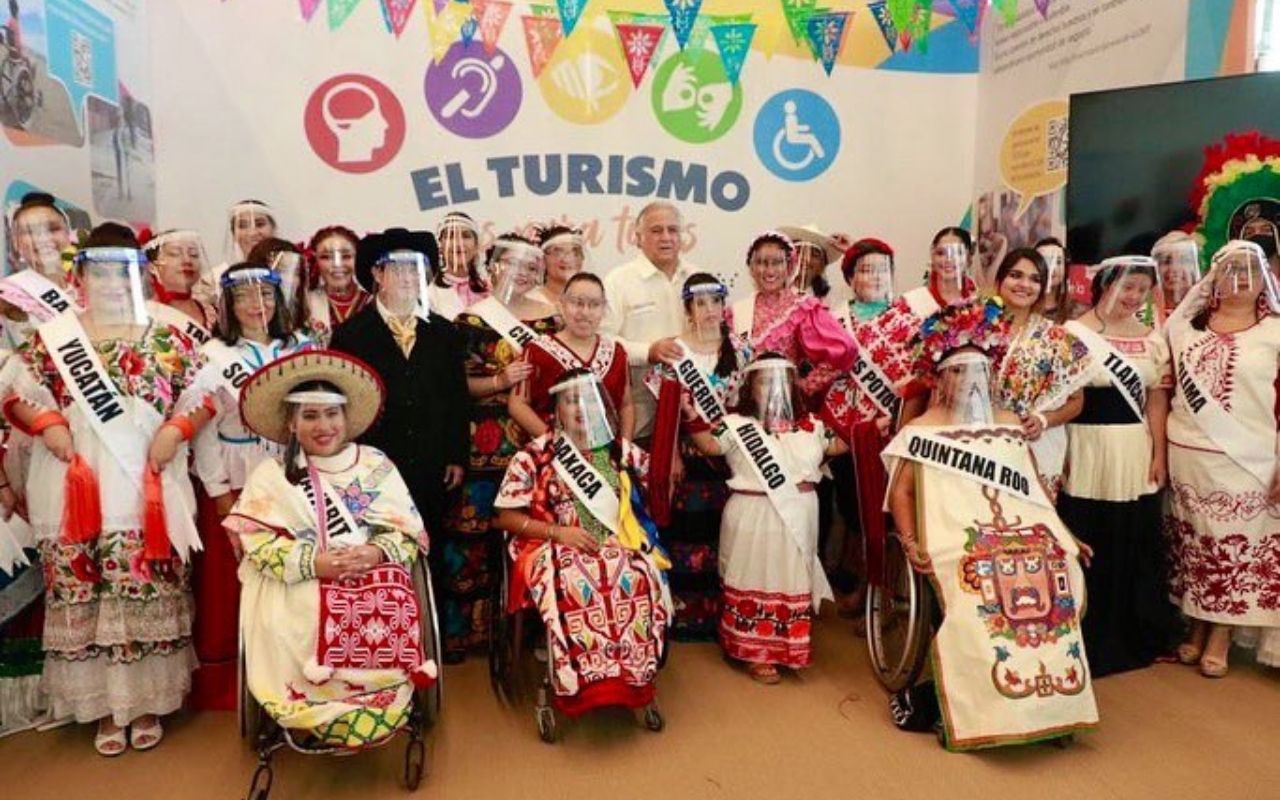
x: 1033, y: 156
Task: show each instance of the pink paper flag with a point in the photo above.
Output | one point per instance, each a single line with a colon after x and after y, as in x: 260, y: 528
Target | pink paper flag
x: 1043, y: 7
x: 491, y: 16
x: 308, y: 8
x: 639, y: 43
x: 541, y: 35
x: 397, y: 14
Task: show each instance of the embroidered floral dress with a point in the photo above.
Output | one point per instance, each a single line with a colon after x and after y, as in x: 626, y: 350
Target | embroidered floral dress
x: 604, y: 611
x: 801, y: 329
x: 467, y: 548
x: 117, y: 633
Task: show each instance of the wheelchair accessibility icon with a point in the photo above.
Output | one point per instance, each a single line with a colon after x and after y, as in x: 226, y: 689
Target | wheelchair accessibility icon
x: 797, y: 135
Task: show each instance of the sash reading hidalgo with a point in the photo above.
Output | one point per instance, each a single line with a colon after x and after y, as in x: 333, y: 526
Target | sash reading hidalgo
x: 961, y: 458
x: 586, y: 483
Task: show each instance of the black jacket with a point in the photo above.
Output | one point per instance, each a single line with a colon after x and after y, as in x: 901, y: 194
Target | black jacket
x: 425, y: 424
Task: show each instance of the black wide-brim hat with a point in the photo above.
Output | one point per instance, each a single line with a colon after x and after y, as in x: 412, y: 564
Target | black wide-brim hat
x: 376, y: 245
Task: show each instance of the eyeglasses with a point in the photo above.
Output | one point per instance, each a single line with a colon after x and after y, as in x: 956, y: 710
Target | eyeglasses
x: 582, y: 303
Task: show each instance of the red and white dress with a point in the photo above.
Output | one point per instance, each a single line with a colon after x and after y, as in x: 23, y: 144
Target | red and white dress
x: 801, y: 329
x: 771, y: 588
x: 551, y: 359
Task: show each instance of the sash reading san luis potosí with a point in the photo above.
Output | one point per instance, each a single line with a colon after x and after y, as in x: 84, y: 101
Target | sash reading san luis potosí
x: 586, y: 483
x: 875, y: 384
x: 967, y: 458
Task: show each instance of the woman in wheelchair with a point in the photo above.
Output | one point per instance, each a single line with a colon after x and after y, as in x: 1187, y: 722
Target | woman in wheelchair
x: 585, y: 553
x: 328, y: 615
x: 1008, y: 658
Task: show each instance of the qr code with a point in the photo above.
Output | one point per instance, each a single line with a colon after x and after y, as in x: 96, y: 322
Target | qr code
x: 81, y: 59
x: 1056, y: 160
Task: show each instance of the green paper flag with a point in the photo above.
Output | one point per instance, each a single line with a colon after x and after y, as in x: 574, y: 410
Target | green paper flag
x: 797, y: 13
x: 339, y: 10
x: 1008, y: 9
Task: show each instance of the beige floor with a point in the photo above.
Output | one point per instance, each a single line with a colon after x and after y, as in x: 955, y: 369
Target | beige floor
x: 1166, y: 733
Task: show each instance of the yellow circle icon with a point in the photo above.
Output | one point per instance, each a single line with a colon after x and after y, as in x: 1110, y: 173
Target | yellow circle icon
x: 586, y: 82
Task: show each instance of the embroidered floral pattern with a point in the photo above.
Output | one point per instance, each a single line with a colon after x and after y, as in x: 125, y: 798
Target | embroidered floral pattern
x: 1042, y: 367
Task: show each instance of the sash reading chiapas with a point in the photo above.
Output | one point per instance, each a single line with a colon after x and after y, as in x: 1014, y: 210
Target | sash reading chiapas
x: 705, y: 401
x: 1252, y: 450
x: 1120, y: 371
x: 93, y: 390
x: 967, y: 459
x: 35, y: 294
x: 500, y: 319
x: 176, y: 319
x: 586, y: 483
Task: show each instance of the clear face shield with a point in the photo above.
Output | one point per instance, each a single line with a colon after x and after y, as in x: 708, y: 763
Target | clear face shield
x: 179, y: 264
x: 584, y: 413
x: 114, y: 288
x: 963, y: 388
x: 811, y: 262
x: 1178, y: 265
x: 292, y: 272
x: 247, y: 225
x: 1134, y: 286
x: 1056, y: 261
x: 401, y: 276
x: 948, y: 266
x: 40, y: 234
x: 336, y: 262
x: 873, y: 278
x: 249, y: 297
x: 704, y: 312
x: 769, y: 381
x: 772, y: 268
x: 1241, y: 275
x: 459, y: 247
x: 564, y: 255
x: 515, y: 269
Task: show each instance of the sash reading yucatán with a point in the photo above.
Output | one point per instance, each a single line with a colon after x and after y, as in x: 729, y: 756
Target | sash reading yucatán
x: 35, y: 294
x: 782, y: 491
x: 176, y: 319
x: 586, y: 483
x: 93, y: 390
x: 1120, y: 371
x: 232, y: 370
x: 500, y: 318
x: 705, y: 401
x: 968, y: 459
x: 1252, y: 450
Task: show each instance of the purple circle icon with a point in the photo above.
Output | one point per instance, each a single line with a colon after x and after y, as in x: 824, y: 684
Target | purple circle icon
x: 473, y: 93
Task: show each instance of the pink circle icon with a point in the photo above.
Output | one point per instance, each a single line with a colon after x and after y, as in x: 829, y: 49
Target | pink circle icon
x: 354, y: 123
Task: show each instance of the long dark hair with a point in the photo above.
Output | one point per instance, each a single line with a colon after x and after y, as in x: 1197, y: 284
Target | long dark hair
x: 1062, y: 294
x: 727, y: 363
x: 292, y: 448
x: 474, y: 279
x: 1011, y: 260
x: 962, y: 234
x: 746, y: 396
x: 279, y: 327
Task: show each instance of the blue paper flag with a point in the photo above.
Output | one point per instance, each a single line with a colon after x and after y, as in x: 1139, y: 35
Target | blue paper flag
x: 967, y: 12
x: 570, y: 13
x: 683, y: 14
x: 468, y: 31
x: 826, y: 36
x: 880, y: 11
x: 734, y: 43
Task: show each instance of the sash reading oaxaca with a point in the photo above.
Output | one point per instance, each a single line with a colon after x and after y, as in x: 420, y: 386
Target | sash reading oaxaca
x: 584, y: 173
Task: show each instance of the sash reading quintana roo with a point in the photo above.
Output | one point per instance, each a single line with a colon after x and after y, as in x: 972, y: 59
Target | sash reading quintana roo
x: 968, y: 460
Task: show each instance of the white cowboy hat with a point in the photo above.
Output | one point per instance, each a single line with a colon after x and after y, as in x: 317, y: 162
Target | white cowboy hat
x: 812, y: 234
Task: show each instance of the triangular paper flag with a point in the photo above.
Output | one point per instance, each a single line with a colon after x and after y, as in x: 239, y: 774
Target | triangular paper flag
x: 880, y: 12
x: 541, y: 35
x: 1043, y: 7
x: 468, y: 30
x: 396, y: 14
x: 1008, y: 9
x: 308, y: 8
x: 796, y: 12
x: 570, y: 13
x: 683, y: 14
x: 439, y: 5
x: 339, y: 11
x: 445, y: 28
x: 491, y: 15
x: 900, y: 12
x: 639, y: 43
x: 968, y: 12
x: 826, y: 36
x: 543, y: 10
x: 734, y: 43
x: 922, y: 24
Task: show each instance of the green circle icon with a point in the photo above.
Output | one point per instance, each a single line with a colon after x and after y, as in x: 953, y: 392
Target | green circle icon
x: 693, y: 98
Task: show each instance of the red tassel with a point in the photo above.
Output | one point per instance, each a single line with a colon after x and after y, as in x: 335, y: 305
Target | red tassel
x: 82, y: 507
x: 666, y: 432
x: 155, y: 531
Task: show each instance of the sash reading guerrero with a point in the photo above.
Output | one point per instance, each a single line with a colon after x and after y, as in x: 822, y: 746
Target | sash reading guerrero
x: 586, y: 483
x: 176, y: 319
x: 1120, y: 370
x: 963, y: 459
x: 35, y: 294
x: 704, y: 397
x: 498, y: 317
x: 1253, y: 451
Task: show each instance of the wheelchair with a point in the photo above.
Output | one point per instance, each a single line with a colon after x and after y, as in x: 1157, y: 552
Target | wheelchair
x: 899, y: 624
x: 265, y: 737
x: 512, y: 671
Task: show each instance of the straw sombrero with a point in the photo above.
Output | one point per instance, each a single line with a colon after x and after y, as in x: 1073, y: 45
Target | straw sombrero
x: 262, y: 404
x: 813, y: 235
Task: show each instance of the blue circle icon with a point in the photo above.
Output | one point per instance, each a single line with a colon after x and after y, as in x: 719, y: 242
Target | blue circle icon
x: 797, y: 135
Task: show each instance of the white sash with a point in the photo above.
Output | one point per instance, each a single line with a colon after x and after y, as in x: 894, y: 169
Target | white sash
x: 1120, y: 371
x: 783, y: 493
x: 177, y: 319
x: 586, y: 483
x: 703, y: 395
x: 1253, y: 451
x: 963, y: 459
x: 232, y: 370
x: 921, y: 302
x: 875, y: 384
x: 35, y: 294
x: 339, y: 528
x: 500, y: 318
x: 318, y: 311
x: 93, y: 390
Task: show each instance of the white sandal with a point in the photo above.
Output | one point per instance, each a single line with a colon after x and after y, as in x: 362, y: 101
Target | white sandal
x: 145, y: 738
x: 110, y: 745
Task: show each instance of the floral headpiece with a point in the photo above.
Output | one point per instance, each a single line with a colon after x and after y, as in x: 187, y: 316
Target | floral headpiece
x: 980, y: 323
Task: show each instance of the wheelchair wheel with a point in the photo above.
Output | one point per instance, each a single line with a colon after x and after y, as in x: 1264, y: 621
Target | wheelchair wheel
x: 415, y: 762
x: 898, y: 621
x: 502, y: 644
x: 546, y: 718
x: 249, y: 714
x: 260, y: 783
x: 653, y: 718
x: 430, y: 699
